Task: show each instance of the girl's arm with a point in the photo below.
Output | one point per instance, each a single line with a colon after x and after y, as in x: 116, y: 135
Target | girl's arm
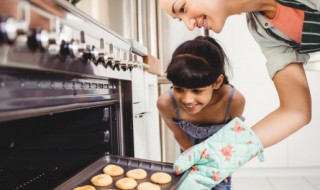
x: 181, y: 137
x: 237, y: 105
x: 294, y: 111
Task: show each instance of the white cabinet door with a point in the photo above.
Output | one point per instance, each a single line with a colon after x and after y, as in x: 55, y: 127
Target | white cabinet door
x: 303, y: 147
x: 152, y: 118
x: 146, y: 127
x: 138, y: 91
x: 139, y: 137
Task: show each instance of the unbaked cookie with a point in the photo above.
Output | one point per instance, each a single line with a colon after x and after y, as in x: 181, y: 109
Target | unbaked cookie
x: 101, y: 180
x: 85, y: 187
x: 126, y: 183
x: 160, y: 177
x: 113, y: 170
x: 148, y: 186
x: 137, y: 174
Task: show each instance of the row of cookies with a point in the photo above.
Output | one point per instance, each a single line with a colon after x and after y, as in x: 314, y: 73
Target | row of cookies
x: 128, y: 182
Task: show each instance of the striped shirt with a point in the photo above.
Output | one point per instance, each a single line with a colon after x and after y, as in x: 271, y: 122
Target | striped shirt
x: 279, y: 49
x: 311, y: 27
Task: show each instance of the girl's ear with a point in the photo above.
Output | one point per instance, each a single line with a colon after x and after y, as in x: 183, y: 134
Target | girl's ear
x: 218, y: 82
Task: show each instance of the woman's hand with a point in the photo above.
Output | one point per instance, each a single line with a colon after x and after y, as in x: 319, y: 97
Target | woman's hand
x: 216, y: 158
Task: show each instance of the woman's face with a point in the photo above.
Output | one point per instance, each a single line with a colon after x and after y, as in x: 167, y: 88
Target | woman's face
x: 192, y: 100
x: 210, y: 14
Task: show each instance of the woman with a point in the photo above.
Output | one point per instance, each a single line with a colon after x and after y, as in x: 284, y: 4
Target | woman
x: 286, y: 31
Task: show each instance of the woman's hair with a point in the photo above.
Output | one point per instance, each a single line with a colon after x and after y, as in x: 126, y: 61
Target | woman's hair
x: 197, y: 63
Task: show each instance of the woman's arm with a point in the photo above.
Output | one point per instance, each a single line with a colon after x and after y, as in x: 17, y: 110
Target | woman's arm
x: 181, y: 137
x: 294, y: 111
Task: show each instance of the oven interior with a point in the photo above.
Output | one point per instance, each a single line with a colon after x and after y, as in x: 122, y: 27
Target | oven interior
x: 43, y: 151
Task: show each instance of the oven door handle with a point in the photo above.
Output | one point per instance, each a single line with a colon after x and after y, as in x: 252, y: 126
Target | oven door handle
x: 106, y: 136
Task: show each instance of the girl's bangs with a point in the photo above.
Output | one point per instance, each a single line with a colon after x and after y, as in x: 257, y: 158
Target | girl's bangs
x: 190, y: 73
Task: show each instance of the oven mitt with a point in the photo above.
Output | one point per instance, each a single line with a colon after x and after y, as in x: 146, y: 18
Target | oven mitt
x: 216, y: 158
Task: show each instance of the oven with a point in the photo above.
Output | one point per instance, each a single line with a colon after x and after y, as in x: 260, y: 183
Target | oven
x: 65, y: 93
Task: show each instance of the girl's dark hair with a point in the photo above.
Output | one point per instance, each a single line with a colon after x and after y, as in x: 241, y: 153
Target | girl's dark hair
x: 197, y: 63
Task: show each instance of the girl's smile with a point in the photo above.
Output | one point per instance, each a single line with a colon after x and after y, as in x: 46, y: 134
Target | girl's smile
x: 191, y: 108
x: 193, y: 100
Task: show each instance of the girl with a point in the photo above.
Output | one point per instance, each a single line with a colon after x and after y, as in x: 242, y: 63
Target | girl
x: 201, y: 100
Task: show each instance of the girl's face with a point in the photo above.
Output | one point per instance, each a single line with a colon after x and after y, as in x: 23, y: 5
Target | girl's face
x: 210, y: 14
x: 192, y: 100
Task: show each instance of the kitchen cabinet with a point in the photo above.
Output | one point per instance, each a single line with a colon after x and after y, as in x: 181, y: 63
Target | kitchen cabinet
x: 138, y: 88
x: 146, y: 127
x: 152, y: 122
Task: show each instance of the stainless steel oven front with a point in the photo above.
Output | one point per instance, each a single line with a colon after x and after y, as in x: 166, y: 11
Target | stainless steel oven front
x: 65, y: 93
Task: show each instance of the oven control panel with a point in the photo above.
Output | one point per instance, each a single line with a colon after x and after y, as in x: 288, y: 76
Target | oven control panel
x: 54, y: 36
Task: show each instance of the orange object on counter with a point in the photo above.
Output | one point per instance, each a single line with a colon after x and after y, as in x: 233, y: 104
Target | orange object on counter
x: 154, y: 64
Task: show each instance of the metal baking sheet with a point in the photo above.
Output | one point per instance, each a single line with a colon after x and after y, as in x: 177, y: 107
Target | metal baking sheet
x: 127, y: 163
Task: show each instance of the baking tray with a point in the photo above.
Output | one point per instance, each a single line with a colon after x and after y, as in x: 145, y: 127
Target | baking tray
x: 127, y: 163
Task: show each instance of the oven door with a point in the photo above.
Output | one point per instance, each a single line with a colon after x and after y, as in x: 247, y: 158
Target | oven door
x: 41, y: 152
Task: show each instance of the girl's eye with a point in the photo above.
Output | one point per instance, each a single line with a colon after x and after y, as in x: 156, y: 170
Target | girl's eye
x: 178, y: 89
x: 197, y: 91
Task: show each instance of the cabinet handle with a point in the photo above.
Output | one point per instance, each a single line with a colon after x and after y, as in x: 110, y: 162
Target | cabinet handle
x: 140, y: 115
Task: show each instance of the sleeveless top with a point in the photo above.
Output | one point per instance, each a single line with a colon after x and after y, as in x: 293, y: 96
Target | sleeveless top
x: 199, y: 133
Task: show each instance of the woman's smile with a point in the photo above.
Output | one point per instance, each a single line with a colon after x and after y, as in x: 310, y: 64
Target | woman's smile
x: 203, y: 23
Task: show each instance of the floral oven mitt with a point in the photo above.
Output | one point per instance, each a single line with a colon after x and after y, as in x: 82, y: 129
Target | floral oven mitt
x: 219, y: 156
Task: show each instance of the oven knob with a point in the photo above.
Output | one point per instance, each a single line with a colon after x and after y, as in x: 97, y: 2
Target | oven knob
x: 8, y: 30
x: 130, y: 62
x: 100, y: 60
x: 53, y: 48
x: 76, y: 49
x: 130, y: 66
x: 38, y: 39
x: 105, y: 61
x: 110, y: 63
x: 117, y: 65
x: 65, y: 48
x: 100, y: 54
x: 88, y: 56
x: 123, y: 66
